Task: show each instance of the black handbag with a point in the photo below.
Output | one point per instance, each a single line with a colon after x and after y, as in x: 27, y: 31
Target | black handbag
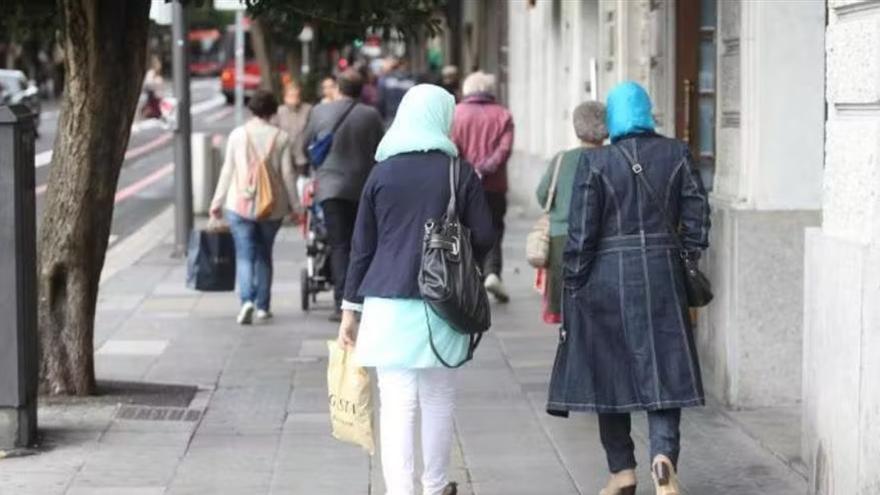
x: 211, y: 261
x: 450, y: 280
x: 696, y: 284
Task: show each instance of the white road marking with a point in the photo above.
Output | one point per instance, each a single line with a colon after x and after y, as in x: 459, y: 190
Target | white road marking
x: 133, y: 347
x: 45, y: 158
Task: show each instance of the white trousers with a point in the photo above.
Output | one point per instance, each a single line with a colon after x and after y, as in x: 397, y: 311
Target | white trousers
x: 403, y: 392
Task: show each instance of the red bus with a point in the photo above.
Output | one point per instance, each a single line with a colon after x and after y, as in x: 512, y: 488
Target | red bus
x: 205, y: 53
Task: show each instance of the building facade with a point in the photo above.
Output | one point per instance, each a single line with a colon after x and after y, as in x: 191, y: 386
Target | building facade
x: 780, y: 102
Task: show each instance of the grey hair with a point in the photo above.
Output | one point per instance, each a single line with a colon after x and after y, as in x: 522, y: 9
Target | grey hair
x: 478, y: 82
x: 589, y: 122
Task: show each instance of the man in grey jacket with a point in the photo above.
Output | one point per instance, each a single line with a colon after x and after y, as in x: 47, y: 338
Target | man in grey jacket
x: 342, y: 175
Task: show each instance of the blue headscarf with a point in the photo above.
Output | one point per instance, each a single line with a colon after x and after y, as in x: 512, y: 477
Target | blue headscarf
x: 423, y: 123
x: 628, y: 110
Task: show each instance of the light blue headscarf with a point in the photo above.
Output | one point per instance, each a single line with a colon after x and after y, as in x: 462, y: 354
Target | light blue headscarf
x: 628, y: 110
x: 423, y: 122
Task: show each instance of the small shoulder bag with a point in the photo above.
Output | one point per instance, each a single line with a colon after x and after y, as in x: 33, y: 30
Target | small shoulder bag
x: 538, y: 240
x: 450, y: 280
x: 319, y: 146
x: 696, y: 284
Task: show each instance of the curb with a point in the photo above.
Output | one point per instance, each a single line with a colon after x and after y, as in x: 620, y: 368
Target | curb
x: 134, y: 247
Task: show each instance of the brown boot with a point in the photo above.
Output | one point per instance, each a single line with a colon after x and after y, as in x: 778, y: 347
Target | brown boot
x: 665, y: 478
x: 451, y: 489
x: 621, y: 483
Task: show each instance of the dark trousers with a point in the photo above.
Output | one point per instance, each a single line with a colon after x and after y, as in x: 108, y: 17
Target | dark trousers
x: 498, y: 207
x: 339, y: 216
x: 663, y: 427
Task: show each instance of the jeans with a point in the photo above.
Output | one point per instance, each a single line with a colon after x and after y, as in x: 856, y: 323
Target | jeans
x: 498, y: 207
x: 663, y: 426
x: 253, y: 257
x: 339, y: 216
x: 403, y: 393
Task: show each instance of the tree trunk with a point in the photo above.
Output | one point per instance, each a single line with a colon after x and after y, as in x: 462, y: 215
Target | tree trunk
x: 263, y: 53
x: 105, y: 43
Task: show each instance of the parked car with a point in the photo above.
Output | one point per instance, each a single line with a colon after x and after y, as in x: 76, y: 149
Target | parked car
x: 16, y: 89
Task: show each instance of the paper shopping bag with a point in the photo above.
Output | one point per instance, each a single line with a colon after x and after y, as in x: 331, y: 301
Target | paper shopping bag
x: 350, y: 397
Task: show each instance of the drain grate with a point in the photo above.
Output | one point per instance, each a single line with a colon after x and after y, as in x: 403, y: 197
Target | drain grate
x: 152, y: 413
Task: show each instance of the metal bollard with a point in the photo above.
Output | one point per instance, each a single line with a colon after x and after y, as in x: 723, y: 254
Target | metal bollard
x: 18, y: 280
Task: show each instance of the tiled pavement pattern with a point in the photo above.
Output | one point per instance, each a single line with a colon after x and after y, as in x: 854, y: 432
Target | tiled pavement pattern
x: 264, y: 424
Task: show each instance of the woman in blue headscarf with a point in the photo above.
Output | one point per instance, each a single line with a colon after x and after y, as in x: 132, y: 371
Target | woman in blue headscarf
x: 627, y: 344
x: 408, y: 186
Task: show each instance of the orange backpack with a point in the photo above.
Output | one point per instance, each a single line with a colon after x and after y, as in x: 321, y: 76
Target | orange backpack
x: 259, y: 194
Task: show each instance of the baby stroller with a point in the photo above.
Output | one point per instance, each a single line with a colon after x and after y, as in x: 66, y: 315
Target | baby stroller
x: 315, y: 277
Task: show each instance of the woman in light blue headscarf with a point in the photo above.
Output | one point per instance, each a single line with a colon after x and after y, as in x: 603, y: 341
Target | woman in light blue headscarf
x: 627, y: 345
x: 408, y: 186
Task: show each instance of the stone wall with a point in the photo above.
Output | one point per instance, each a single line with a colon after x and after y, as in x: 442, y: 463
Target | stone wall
x: 550, y: 46
x: 767, y: 191
x: 841, y: 440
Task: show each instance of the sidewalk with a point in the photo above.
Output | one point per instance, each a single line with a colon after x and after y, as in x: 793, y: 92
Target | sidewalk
x: 195, y: 404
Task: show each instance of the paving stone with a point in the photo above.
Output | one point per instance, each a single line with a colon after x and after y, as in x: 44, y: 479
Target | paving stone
x: 265, y: 426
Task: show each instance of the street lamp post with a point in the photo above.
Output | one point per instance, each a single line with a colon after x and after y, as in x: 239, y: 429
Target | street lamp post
x: 239, y: 67
x: 183, y: 202
x: 305, y: 37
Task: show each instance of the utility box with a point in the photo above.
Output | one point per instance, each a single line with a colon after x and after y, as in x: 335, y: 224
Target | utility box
x: 206, y: 166
x: 18, y: 279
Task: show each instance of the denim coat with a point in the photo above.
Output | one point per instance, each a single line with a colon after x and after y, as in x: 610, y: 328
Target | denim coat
x: 626, y: 343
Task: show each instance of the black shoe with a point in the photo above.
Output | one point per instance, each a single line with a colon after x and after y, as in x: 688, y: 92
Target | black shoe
x: 451, y: 489
x: 336, y: 316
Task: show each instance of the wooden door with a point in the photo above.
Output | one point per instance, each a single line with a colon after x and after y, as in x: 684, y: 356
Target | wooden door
x: 695, y: 81
x: 687, y: 65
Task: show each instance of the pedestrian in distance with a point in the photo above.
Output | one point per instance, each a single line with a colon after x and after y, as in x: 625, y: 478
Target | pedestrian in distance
x: 626, y: 343
x: 409, y: 186
x: 483, y: 132
x: 450, y: 80
x: 341, y: 177
x: 292, y: 117
x: 255, y: 144
x: 329, y: 89
x: 589, y: 126
x: 392, y: 86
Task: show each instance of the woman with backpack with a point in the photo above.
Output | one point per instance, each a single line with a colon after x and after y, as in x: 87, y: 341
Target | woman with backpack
x: 256, y: 191
x: 399, y: 334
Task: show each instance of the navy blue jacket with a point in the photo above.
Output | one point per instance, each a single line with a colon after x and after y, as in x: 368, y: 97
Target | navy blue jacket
x: 400, y: 195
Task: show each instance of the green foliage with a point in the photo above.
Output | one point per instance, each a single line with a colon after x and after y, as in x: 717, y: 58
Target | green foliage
x: 25, y: 20
x: 203, y: 15
x: 342, y: 21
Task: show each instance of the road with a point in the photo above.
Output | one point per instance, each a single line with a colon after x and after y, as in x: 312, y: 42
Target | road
x: 145, y: 183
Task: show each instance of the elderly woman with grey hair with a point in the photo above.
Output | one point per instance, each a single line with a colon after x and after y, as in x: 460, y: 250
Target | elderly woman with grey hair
x: 589, y: 126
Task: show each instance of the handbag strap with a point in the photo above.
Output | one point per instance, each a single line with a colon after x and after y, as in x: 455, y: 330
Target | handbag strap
x: 454, y: 168
x: 638, y: 170
x: 551, y: 193
x: 344, y: 115
x: 473, y: 343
